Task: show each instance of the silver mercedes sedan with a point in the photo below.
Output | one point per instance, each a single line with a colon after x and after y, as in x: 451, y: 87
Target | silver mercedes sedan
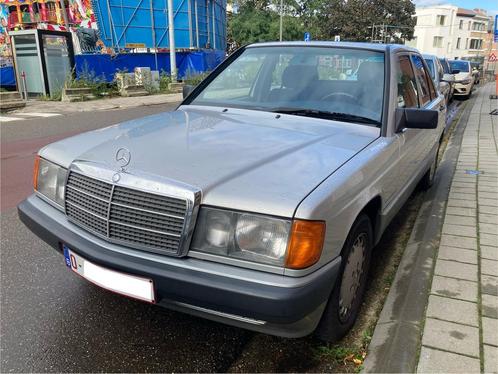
x: 257, y: 202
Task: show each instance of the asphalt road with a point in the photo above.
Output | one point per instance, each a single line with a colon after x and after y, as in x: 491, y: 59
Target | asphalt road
x: 53, y: 321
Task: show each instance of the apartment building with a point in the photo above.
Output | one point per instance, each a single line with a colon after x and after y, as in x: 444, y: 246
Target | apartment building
x: 450, y: 31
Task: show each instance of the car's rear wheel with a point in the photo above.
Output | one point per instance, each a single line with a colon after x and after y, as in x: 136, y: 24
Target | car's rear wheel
x: 347, y: 296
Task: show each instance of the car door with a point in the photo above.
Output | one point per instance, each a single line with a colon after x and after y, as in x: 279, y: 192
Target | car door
x: 416, y: 144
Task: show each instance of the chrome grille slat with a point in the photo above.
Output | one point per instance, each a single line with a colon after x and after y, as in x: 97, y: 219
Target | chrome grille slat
x: 149, y: 201
x: 146, y: 210
x: 147, y: 220
x: 90, y: 185
x: 120, y: 214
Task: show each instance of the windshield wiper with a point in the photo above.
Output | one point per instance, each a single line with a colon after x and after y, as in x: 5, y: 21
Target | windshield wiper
x: 315, y: 113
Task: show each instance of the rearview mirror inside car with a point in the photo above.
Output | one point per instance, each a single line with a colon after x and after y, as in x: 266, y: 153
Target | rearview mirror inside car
x: 415, y: 118
x: 187, y: 89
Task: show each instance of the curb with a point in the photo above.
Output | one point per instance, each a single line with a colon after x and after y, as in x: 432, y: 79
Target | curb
x: 394, y: 347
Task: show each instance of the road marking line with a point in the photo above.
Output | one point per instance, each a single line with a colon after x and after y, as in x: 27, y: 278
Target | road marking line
x: 8, y: 119
x: 35, y: 114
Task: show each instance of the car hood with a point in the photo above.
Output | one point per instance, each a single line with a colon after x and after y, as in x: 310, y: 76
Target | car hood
x: 462, y: 75
x: 240, y: 159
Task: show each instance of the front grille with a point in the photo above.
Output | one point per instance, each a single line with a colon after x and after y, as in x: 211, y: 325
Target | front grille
x: 135, y: 218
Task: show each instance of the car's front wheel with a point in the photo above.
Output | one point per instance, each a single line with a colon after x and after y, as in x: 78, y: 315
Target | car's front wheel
x: 347, y: 296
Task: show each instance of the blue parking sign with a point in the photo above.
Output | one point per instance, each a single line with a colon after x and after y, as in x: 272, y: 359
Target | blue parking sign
x: 307, y: 36
x: 496, y: 29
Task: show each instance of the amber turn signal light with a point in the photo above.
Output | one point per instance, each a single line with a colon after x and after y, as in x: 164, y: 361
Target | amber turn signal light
x: 35, y: 172
x: 306, y: 244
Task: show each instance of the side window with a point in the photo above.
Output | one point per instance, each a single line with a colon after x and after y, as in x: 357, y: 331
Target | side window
x: 407, y: 86
x: 422, y: 79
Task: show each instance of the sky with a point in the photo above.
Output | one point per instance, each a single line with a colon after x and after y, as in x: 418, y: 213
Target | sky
x: 490, y: 5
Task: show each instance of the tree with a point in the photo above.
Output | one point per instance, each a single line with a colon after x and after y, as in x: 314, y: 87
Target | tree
x: 353, y: 19
x: 259, y: 21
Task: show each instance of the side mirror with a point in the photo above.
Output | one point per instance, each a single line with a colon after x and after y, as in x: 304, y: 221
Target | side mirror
x: 450, y: 78
x: 456, y: 71
x: 187, y: 89
x: 415, y: 118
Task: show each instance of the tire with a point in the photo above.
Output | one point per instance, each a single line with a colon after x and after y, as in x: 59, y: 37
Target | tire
x: 428, y: 178
x: 337, y: 320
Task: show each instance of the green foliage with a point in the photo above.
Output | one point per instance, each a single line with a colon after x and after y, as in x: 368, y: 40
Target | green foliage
x: 353, y: 19
x: 258, y: 20
x: 194, y: 78
x: 164, y: 81
x: 252, y: 24
x: 88, y: 79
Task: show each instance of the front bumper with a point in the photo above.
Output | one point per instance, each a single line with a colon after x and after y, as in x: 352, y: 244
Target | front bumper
x: 269, y: 303
x: 462, y: 89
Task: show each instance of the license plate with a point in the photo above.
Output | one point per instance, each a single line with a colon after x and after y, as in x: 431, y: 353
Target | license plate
x: 124, y: 284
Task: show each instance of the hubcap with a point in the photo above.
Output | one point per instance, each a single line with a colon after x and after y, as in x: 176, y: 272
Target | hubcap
x: 351, y: 276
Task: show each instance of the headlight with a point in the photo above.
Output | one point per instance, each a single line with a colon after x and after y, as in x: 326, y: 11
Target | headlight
x: 258, y: 238
x: 466, y: 81
x: 49, y: 180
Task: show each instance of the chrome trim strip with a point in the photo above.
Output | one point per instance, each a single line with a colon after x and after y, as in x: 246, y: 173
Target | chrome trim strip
x: 144, y: 229
x: 85, y: 210
x: 147, y: 210
x: 218, y: 313
x: 88, y: 193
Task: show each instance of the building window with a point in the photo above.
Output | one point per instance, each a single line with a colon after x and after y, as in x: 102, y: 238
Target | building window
x: 440, y: 20
x: 475, y: 44
x: 415, y: 19
x: 460, y: 26
x: 438, y: 42
x: 468, y: 26
x: 478, y: 26
x: 467, y: 43
x: 458, y: 43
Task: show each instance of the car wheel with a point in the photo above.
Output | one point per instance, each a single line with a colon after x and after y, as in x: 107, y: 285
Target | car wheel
x: 347, y: 296
x: 428, y: 179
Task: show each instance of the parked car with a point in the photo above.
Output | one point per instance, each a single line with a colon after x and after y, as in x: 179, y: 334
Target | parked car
x: 464, y: 79
x: 441, y: 80
x: 447, y: 70
x: 255, y: 203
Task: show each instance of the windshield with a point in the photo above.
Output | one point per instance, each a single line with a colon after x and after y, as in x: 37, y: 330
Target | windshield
x: 312, y: 81
x: 463, y: 66
x: 430, y: 64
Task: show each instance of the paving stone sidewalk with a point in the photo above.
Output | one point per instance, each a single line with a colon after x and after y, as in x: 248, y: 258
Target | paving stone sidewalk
x: 461, y: 325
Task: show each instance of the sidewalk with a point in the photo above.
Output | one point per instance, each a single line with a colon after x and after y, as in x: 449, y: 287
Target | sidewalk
x: 460, y: 333
x: 36, y: 106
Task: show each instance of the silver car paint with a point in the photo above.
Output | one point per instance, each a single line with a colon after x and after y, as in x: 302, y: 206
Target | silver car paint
x: 231, y: 157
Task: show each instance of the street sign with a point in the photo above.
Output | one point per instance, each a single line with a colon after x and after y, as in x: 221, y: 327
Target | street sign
x: 496, y: 28
x: 307, y: 36
x: 492, y: 58
x: 337, y: 38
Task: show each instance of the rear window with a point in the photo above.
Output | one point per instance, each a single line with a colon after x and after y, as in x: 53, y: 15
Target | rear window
x: 463, y: 66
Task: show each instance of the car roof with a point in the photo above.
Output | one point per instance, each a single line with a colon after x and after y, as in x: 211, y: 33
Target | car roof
x: 353, y: 45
